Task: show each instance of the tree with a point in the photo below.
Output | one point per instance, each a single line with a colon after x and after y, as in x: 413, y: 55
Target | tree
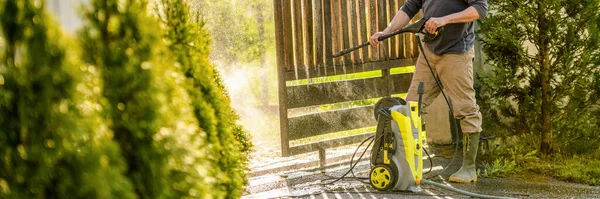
x: 227, y: 142
x: 545, y: 58
x: 146, y: 103
x: 53, y: 142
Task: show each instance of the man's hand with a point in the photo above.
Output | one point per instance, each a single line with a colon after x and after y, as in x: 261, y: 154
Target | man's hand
x: 375, y: 38
x: 434, y: 23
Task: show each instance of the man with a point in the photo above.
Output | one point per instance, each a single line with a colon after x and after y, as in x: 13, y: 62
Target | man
x: 450, y: 54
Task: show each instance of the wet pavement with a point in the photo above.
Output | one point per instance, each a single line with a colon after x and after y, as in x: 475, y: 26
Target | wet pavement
x: 311, y: 182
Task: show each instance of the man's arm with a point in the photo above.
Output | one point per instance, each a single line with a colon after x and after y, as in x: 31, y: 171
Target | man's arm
x: 477, y: 9
x: 465, y: 16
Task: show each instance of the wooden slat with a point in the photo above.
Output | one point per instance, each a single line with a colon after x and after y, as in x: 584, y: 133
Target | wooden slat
x: 354, y: 30
x: 332, y: 143
x: 327, y: 29
x: 280, y: 45
x: 337, y: 30
x: 298, y: 38
x: 345, y: 30
x: 382, y: 20
x: 415, y: 46
x: 363, y: 32
x: 374, y: 27
x: 342, y: 91
x: 288, y: 34
x: 329, y: 122
x: 356, y: 68
x: 318, y: 16
x: 308, y: 33
x: 393, y: 46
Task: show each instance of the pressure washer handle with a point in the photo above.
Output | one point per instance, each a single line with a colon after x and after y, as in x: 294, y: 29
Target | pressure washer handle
x: 415, y: 27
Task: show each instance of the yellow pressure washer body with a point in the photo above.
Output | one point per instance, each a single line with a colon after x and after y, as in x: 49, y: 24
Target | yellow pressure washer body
x: 397, y: 154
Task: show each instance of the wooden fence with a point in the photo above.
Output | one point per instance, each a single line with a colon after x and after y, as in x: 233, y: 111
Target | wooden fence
x: 308, y: 32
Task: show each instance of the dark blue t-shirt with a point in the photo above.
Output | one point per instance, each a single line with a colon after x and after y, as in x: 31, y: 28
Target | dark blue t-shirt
x: 455, y: 38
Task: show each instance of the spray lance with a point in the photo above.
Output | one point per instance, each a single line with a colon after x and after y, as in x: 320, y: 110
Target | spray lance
x: 417, y: 28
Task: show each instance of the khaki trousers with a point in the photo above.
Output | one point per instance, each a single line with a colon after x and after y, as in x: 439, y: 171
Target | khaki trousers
x: 456, y: 75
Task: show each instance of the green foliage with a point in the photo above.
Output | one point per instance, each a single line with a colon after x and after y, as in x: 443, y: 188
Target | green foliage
x: 497, y: 168
x: 140, y: 117
x: 146, y: 102
x: 53, y: 142
x: 521, y: 38
x: 189, y: 42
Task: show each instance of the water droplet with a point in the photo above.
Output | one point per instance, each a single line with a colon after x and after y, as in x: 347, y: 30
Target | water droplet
x: 36, y: 19
x: 92, y: 69
x: 121, y: 106
x: 146, y: 65
x: 129, y: 52
x: 50, y: 143
x: 63, y: 107
x: 104, y: 161
x: 4, y: 186
x: 22, y: 151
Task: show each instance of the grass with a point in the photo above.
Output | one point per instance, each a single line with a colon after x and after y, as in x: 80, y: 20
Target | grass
x: 583, y: 169
x: 516, y: 160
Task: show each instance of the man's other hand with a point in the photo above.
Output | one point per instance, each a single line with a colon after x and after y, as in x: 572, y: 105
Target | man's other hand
x: 434, y: 23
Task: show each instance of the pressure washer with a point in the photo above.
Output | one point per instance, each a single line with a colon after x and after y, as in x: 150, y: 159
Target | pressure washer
x: 397, y: 152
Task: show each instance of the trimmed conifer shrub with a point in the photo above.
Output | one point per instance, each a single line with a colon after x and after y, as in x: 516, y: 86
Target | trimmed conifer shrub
x: 227, y: 142
x: 53, y: 142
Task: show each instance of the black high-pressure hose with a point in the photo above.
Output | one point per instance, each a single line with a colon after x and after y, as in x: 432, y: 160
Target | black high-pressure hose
x: 450, y: 107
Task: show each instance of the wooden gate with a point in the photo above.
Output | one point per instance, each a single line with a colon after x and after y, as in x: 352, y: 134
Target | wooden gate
x: 308, y: 32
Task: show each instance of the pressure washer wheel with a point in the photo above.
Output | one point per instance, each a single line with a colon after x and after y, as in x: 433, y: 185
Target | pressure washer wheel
x: 387, y: 102
x: 382, y: 177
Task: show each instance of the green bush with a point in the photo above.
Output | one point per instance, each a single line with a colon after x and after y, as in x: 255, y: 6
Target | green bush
x: 53, y: 142
x: 189, y: 42
x: 146, y: 104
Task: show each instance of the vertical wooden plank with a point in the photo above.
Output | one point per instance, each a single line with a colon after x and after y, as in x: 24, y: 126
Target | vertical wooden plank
x: 308, y: 34
x: 327, y: 29
x: 415, y: 47
x: 401, y: 45
x: 382, y: 20
x: 281, y: 70
x: 318, y: 16
x: 374, y: 27
x: 408, y: 43
x: 298, y: 36
x: 354, y: 30
x: 393, y: 46
x: 337, y: 31
x: 345, y: 30
x: 287, y: 34
x: 364, y: 34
